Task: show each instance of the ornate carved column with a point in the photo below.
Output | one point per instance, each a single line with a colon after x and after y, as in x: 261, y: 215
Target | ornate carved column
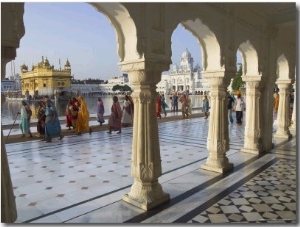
x: 146, y: 192
x: 12, y: 30
x: 217, y: 140
x: 283, y: 115
x: 8, y: 204
x: 294, y: 123
x: 252, y: 139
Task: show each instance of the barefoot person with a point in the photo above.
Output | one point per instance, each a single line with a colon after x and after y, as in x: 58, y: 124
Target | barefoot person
x: 52, y: 124
x: 25, y: 118
x: 114, y: 122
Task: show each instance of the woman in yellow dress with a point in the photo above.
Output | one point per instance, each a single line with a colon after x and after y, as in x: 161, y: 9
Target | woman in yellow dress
x: 82, y: 123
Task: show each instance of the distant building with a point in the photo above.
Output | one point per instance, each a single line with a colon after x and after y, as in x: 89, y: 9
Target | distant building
x: 43, y: 79
x: 185, y: 78
x: 8, y: 85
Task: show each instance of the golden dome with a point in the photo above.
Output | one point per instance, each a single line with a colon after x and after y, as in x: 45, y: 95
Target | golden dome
x: 67, y: 63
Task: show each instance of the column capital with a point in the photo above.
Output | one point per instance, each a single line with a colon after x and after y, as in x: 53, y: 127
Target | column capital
x: 256, y: 78
x: 283, y: 81
x: 143, y: 64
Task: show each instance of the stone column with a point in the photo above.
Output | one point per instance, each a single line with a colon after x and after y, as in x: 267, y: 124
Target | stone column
x: 283, y: 115
x: 217, y: 140
x: 252, y: 139
x: 8, y: 204
x: 266, y: 113
x: 146, y: 192
x: 294, y: 123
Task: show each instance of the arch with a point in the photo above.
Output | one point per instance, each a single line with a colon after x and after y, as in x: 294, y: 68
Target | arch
x: 211, y: 51
x: 249, y: 59
x: 282, y: 67
x: 124, y: 27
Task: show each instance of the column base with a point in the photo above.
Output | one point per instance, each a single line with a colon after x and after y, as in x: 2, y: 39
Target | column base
x: 217, y: 169
x: 293, y: 127
x: 284, y: 136
x: 252, y: 151
x: 146, y: 196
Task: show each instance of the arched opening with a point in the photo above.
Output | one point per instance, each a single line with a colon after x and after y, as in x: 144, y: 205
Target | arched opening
x: 282, y: 71
x: 249, y: 59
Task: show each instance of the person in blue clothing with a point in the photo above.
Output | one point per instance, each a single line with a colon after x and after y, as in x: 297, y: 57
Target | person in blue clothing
x: 52, y: 124
x: 164, y: 105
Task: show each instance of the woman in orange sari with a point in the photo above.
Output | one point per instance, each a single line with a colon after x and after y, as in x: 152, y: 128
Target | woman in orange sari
x: 82, y: 123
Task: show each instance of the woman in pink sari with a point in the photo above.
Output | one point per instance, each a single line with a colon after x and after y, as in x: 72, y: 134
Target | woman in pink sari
x: 114, y: 121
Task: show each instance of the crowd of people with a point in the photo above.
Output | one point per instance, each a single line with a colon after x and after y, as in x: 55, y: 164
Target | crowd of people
x: 77, y: 117
x: 77, y: 113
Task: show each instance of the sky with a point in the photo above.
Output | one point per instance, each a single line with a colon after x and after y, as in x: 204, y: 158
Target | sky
x: 77, y: 32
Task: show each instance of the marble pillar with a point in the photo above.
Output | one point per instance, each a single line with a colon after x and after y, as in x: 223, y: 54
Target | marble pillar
x: 252, y: 139
x: 218, y: 139
x: 8, y: 203
x: 283, y: 115
x: 146, y: 192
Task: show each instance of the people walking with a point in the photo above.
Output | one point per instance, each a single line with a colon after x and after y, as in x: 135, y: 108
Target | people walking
x: 52, y: 124
x: 41, y: 119
x: 239, y: 106
x: 184, y: 106
x: 164, y: 105
x: 69, y: 114
x: 175, y: 102
x: 100, y: 111
x: 205, y: 106
x: 82, y: 123
x: 25, y: 118
x: 114, y: 121
x: 127, y: 112
x: 158, y: 106
x: 230, y: 104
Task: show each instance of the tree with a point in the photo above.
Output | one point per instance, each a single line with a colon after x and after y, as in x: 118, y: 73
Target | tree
x: 237, y: 80
x: 118, y: 87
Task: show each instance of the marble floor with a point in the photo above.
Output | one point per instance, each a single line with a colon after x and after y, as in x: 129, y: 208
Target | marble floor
x: 82, y: 179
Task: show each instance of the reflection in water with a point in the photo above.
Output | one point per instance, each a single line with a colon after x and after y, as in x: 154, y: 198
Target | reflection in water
x: 10, y: 109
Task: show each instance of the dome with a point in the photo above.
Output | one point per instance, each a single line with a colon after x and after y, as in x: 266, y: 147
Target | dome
x: 197, y: 67
x: 186, y: 54
x: 67, y: 63
x: 24, y: 67
x: 46, y: 62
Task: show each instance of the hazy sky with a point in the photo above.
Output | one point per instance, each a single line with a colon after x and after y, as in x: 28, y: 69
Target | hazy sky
x: 79, y: 33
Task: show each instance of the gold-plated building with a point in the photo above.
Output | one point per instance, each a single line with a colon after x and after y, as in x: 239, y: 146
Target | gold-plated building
x: 43, y: 79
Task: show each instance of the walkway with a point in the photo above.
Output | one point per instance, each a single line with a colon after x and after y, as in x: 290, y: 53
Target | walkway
x: 82, y: 179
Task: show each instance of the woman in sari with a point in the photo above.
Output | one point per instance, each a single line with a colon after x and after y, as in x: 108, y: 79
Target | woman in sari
x: 74, y: 108
x: 69, y: 114
x: 127, y: 112
x: 100, y: 111
x: 158, y: 106
x: 115, y: 117
x: 41, y: 119
x: 82, y: 123
x: 52, y: 124
x: 185, y: 104
x: 164, y: 105
x: 25, y: 118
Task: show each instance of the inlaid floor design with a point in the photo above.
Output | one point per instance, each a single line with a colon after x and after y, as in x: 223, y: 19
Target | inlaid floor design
x: 269, y: 197
x: 82, y: 179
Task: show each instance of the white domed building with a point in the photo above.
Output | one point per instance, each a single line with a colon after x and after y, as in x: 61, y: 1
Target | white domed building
x: 185, y: 78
